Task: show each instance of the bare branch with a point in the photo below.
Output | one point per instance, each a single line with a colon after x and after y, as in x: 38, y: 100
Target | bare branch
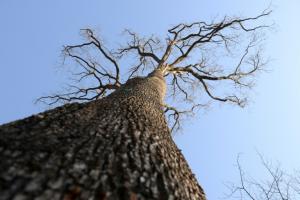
x: 281, y: 186
x: 174, y: 116
x: 140, y: 46
x: 97, y: 43
x: 200, y: 33
x: 89, y: 69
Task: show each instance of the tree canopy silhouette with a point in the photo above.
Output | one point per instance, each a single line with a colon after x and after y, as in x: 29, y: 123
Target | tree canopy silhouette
x: 219, y: 59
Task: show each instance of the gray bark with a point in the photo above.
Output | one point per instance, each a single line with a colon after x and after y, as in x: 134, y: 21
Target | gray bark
x: 119, y: 147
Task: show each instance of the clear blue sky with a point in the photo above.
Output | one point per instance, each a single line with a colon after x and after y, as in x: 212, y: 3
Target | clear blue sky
x: 32, y: 33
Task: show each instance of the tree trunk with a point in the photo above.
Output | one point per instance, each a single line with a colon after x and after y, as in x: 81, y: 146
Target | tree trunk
x: 118, y: 147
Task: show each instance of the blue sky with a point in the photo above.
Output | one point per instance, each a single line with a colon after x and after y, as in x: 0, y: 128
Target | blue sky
x: 33, y: 32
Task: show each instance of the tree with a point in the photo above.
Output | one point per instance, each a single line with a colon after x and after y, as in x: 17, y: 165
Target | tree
x: 113, y: 141
x: 278, y: 185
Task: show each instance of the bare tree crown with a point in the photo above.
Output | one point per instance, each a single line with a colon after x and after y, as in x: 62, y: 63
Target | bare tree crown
x: 218, y: 59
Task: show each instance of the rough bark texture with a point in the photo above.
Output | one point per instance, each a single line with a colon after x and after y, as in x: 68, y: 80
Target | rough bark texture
x: 118, y: 147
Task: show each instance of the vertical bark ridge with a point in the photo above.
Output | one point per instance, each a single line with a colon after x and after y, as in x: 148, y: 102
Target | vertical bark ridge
x: 116, y: 148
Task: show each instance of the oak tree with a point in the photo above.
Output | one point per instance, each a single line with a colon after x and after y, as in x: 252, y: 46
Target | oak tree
x: 111, y: 139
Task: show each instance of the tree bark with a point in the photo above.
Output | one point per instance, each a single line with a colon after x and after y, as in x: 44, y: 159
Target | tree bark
x: 119, y: 147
